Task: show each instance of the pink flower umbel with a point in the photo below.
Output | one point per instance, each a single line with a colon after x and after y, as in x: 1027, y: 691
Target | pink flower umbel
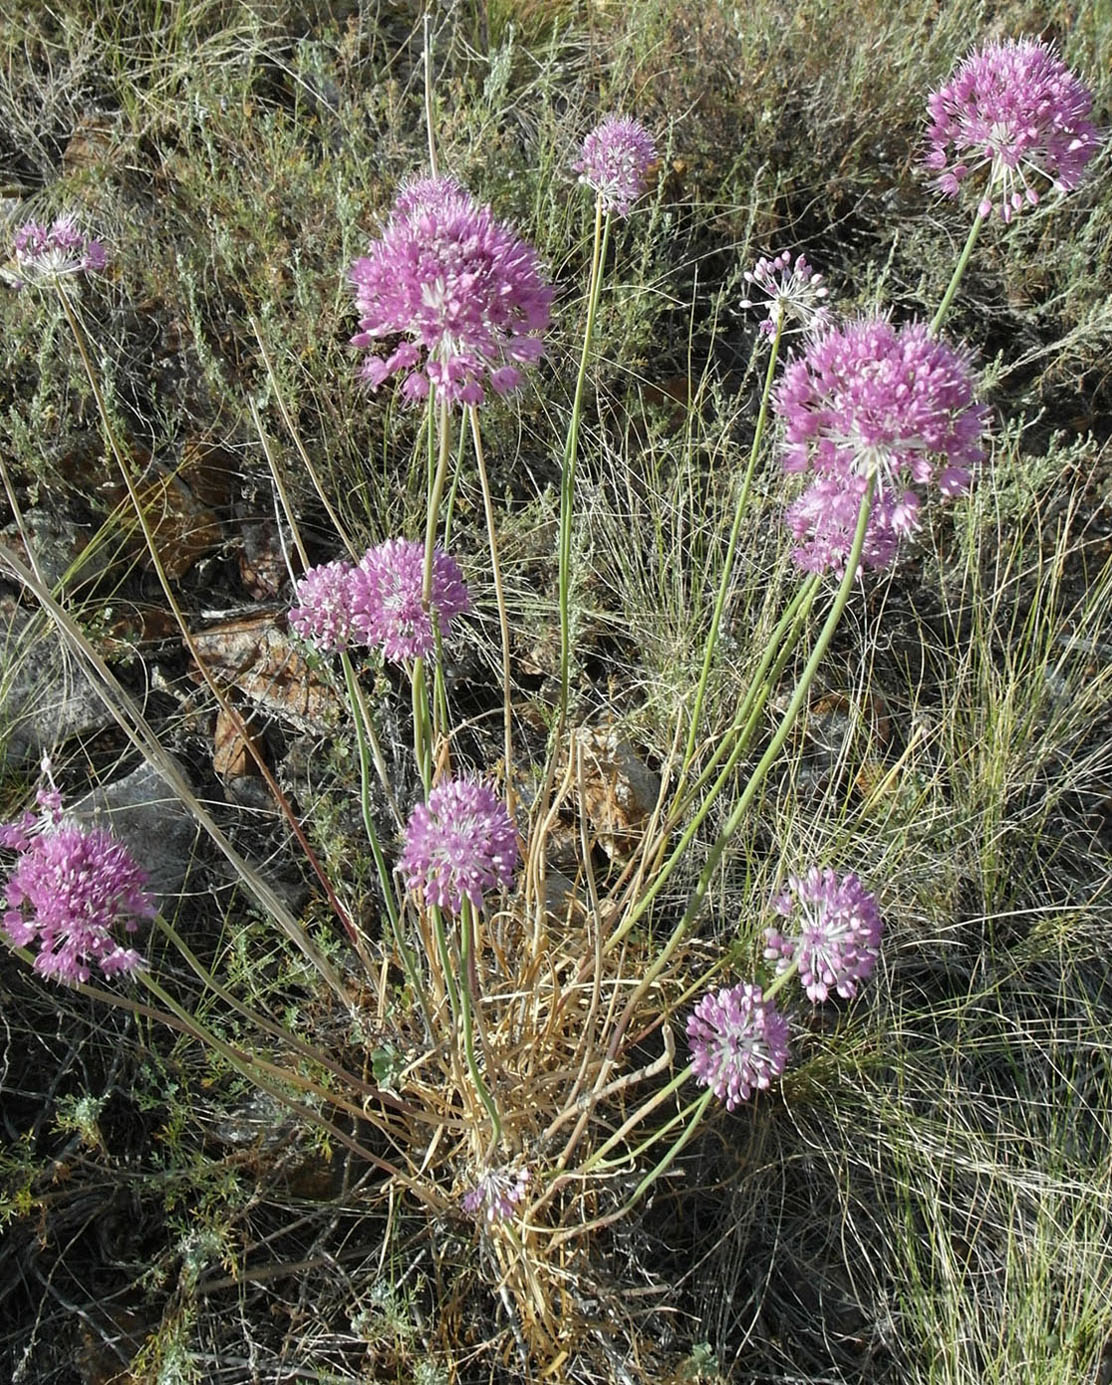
x: 1016, y: 114
x: 47, y: 255
x: 739, y: 1043
x: 615, y: 161
x: 385, y: 593
x: 793, y: 293
x: 464, y: 293
x: 834, y: 932
x: 869, y: 399
x: 458, y: 845
x: 69, y: 888
x: 323, y: 615
x: 496, y: 1194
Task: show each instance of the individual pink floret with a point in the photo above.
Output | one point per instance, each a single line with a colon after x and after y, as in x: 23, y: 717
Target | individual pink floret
x: 739, y: 1043
x: 1014, y: 112
x: 50, y: 254
x: 496, y: 1194
x: 67, y: 891
x: 464, y: 293
x: 834, y: 933
x: 386, y: 604
x: 615, y: 162
x: 793, y: 293
x: 459, y: 845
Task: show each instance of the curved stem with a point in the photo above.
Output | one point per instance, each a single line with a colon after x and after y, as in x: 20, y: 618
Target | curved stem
x: 571, y: 453
x: 756, y: 779
x: 956, y: 278
x: 276, y: 1031
x: 218, y: 693
x: 731, y: 746
x: 361, y: 719
x: 500, y: 598
x: 728, y: 563
x: 467, y: 937
x: 268, y: 1078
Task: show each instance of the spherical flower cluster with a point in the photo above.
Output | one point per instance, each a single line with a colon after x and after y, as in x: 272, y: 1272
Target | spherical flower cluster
x: 1015, y: 110
x: 458, y: 845
x: 68, y: 890
x: 739, y: 1043
x: 615, y: 161
x: 49, y: 254
x: 794, y: 292
x: 834, y: 934
x: 496, y: 1194
x: 379, y: 602
x: 386, y: 598
x: 871, y: 400
x: 464, y: 293
x: 323, y: 613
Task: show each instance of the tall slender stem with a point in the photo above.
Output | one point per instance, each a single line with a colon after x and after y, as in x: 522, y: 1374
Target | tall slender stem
x: 731, y: 548
x: 467, y: 942
x: 956, y: 277
x: 756, y: 778
x: 571, y: 453
x: 430, y: 128
x: 500, y: 598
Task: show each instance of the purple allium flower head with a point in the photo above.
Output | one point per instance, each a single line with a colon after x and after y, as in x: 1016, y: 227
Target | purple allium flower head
x: 792, y: 293
x: 834, y: 935
x: 385, y: 593
x: 458, y: 845
x: 739, y: 1043
x: 1015, y: 109
x: 615, y: 161
x: 324, y: 610
x: 464, y: 293
x: 50, y: 254
x: 496, y: 1194
x: 68, y: 889
x: 869, y: 399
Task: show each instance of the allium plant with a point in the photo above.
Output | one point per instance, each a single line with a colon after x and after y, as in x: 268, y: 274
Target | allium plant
x: 48, y: 255
x: 793, y: 292
x: 69, y: 888
x: 459, y: 845
x: 465, y: 294
x: 832, y: 933
x: 739, y: 1043
x: 496, y: 1194
x: 615, y: 162
x: 1014, y: 113
x: 870, y: 400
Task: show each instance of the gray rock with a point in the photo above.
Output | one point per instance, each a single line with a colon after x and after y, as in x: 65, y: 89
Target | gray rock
x: 153, y: 824
x: 61, y: 548
x: 45, y: 698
